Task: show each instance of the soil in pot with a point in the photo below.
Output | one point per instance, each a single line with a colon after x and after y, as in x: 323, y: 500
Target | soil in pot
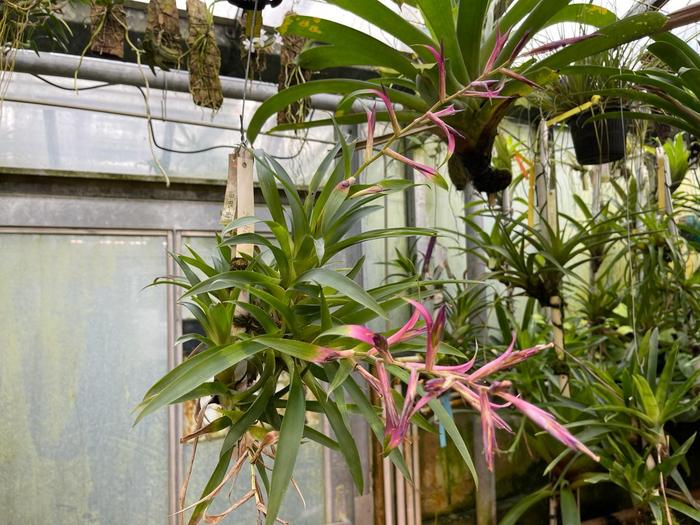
x: 597, y: 142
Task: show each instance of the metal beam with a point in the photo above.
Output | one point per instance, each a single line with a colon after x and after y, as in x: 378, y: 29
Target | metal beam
x: 114, y: 72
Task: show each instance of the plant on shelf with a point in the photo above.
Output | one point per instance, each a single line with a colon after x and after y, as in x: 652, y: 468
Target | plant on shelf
x: 469, y: 50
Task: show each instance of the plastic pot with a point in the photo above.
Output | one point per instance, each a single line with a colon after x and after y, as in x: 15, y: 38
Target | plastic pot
x: 597, y: 142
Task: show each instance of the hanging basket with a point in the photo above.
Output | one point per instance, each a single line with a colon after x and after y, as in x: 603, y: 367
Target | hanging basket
x: 204, y: 57
x: 108, y: 29
x: 162, y: 40
x: 597, y: 142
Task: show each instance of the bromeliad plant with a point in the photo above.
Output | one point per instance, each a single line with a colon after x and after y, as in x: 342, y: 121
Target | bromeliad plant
x: 285, y: 332
x: 476, y: 46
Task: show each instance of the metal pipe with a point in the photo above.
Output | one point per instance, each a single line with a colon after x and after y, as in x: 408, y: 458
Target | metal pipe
x: 113, y: 72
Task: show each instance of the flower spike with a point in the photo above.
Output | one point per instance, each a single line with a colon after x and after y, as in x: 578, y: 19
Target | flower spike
x: 429, y: 172
x: 390, y: 109
x: 501, y: 39
x: 440, y: 61
x: 547, y: 422
x: 371, y: 124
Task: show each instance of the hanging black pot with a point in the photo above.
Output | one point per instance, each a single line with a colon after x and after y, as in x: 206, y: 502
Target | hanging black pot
x: 249, y: 5
x: 600, y: 141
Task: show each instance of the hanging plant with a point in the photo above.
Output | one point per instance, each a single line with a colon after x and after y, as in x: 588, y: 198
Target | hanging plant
x: 162, y: 40
x: 204, y: 57
x: 22, y: 23
x: 292, y: 74
x: 258, y: 43
x: 108, y: 21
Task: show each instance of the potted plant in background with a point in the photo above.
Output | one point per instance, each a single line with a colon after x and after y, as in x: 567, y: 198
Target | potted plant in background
x: 596, y: 140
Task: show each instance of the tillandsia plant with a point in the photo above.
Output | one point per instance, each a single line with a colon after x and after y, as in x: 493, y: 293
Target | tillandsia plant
x: 478, y: 47
x: 285, y: 332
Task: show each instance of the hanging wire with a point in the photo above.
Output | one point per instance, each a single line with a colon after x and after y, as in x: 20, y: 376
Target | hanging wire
x: 247, y: 73
x: 151, y: 128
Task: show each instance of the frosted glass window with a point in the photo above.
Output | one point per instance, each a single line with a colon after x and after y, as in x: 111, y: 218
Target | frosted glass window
x: 308, y: 472
x: 82, y: 342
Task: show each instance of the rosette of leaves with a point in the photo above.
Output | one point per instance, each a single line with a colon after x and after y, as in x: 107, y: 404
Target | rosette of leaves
x: 204, y: 57
x: 108, y: 33
x: 472, y: 38
x: 287, y: 294
x: 162, y: 40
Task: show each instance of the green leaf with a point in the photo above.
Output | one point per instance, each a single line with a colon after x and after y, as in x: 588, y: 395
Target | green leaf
x: 652, y: 356
x: 239, y: 223
x: 299, y: 349
x: 292, y: 94
x: 569, y: 510
x: 193, y: 372
x: 470, y: 24
x: 681, y: 45
x: 588, y: 14
x: 439, y: 19
x: 345, y: 368
x: 626, y: 30
x: 291, y: 432
x: 345, y: 38
x: 664, y: 383
x: 233, y: 279
x: 513, y: 516
x: 651, y: 407
x: 348, y: 448
x: 670, y: 54
x: 342, y: 284
x: 367, y: 410
x: 533, y: 23
x: 684, y: 508
x: 448, y: 423
x: 372, y: 235
x: 386, y: 19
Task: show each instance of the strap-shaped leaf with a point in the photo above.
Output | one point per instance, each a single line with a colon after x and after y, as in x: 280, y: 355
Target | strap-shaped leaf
x: 347, y: 287
x: 373, y: 235
x: 291, y: 432
x: 680, y: 45
x: 298, y: 349
x: 535, y: 21
x: 337, y: 86
x: 233, y: 279
x: 326, y: 56
x: 348, y: 448
x: 569, y: 509
x: 440, y: 20
x: 622, y: 32
x: 381, y: 16
x: 514, y: 514
x: 470, y: 24
x: 193, y: 372
x: 589, y: 14
x: 344, y: 37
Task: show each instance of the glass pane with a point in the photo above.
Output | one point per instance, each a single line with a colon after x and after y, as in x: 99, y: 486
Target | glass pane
x: 82, y: 343
x: 308, y: 473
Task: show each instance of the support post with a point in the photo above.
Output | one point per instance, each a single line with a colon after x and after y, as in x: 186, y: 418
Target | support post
x: 476, y: 269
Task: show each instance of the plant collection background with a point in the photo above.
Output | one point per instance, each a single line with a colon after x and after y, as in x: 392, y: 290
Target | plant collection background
x: 578, y: 342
